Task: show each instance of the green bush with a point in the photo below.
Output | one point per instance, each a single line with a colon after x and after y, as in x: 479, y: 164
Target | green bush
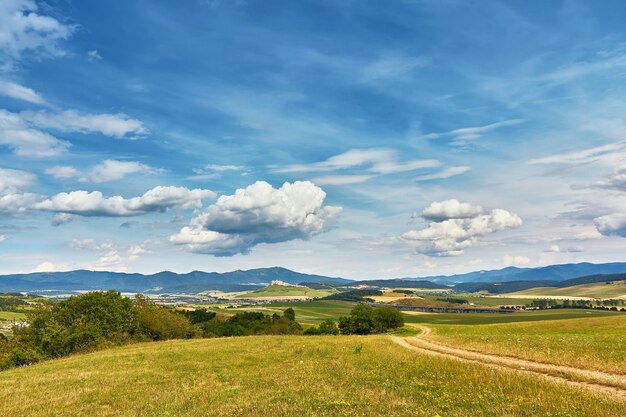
x: 365, y: 319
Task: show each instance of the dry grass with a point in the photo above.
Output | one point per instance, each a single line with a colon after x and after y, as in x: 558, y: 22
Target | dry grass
x: 283, y: 376
x: 592, y: 343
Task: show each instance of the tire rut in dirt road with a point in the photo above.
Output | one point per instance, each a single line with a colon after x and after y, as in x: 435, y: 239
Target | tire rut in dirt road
x: 607, y: 383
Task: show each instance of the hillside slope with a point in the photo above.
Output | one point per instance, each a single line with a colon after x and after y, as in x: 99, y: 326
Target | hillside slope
x: 161, y: 282
x: 615, y: 289
x: 283, y: 376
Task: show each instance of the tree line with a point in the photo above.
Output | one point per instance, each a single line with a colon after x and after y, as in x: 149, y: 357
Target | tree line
x: 97, y: 320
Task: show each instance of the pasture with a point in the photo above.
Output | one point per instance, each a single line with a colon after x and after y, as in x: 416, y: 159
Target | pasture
x: 284, y: 376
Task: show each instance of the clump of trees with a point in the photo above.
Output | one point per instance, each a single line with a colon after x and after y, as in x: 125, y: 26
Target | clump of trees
x: 355, y: 295
x: 365, y: 319
x: 97, y: 320
x: 325, y: 327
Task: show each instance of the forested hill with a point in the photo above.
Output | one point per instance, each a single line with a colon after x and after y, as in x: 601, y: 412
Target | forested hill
x: 161, y: 282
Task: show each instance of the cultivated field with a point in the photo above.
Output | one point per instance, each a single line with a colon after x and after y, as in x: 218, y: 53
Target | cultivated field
x: 310, y: 312
x: 280, y: 376
x: 615, y: 290
x: 284, y: 291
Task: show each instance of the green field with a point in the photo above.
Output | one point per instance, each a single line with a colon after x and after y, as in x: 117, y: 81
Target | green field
x: 284, y: 376
x: 489, y: 318
x: 286, y: 291
x: 9, y: 316
x: 310, y: 312
x: 616, y: 289
x: 597, y: 342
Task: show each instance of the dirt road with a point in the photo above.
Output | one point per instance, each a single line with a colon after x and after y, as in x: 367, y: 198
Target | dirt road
x: 607, y: 383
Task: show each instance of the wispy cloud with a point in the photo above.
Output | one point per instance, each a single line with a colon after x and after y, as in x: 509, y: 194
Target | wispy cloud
x: 443, y: 174
x: 462, y: 136
x: 19, y: 92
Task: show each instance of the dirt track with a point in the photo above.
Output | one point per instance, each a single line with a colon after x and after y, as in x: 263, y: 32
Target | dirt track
x: 606, y: 383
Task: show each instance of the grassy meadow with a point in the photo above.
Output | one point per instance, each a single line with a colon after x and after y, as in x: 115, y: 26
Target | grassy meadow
x: 597, y: 342
x: 10, y: 316
x: 494, y: 318
x: 284, y: 376
x: 286, y: 291
x: 310, y: 312
x: 615, y: 289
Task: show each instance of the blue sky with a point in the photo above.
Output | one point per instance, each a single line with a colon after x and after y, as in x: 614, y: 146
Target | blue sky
x: 342, y: 138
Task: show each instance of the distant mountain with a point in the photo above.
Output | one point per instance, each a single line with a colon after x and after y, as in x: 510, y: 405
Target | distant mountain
x: 546, y: 273
x: 513, y: 286
x: 197, y: 281
x: 162, y: 282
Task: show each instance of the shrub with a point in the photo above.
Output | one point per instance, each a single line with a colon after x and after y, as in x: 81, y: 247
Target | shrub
x: 159, y: 323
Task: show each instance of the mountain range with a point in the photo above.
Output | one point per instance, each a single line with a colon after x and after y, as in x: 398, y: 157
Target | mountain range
x: 197, y: 281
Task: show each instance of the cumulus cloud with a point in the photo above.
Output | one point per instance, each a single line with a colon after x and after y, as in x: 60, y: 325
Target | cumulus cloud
x: 510, y: 260
x: 27, y: 141
x: 2, y: 238
x: 611, y: 224
x: 158, y: 199
x: 613, y: 181
x: 12, y: 184
x: 48, y: 266
x: 569, y: 249
x: 258, y: 214
x: 13, y: 181
x: 439, y: 211
x: 115, y: 125
x: 107, y: 170
x: 454, y: 226
x: 19, y: 92
x: 24, y: 31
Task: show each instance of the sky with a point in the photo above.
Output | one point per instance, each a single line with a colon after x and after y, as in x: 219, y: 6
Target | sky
x: 344, y: 138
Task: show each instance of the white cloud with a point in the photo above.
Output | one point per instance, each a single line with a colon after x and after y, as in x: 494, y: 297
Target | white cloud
x: 394, y: 68
x: 221, y: 168
x: 569, y: 249
x: 94, y: 55
x: 158, y: 199
x: 47, y: 266
x: 19, y: 92
x: 439, y: 211
x: 14, y: 181
x: 510, y: 260
x: 2, y: 238
x: 340, y: 179
x: 258, y: 214
x: 107, y: 170
x: 115, y: 125
x: 614, y: 181
x: 454, y: 227
x: 611, y: 224
x: 12, y: 184
x: 63, y: 172
x: 111, y: 256
x: 62, y: 218
x: 463, y: 135
x: 444, y: 174
x: 612, y: 152
x: 23, y: 30
x: 27, y: 141
x: 376, y: 160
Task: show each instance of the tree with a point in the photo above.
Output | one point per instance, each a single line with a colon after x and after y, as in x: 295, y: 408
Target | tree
x: 328, y: 327
x: 361, y: 320
x: 290, y: 314
x: 160, y: 323
x: 386, y: 318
